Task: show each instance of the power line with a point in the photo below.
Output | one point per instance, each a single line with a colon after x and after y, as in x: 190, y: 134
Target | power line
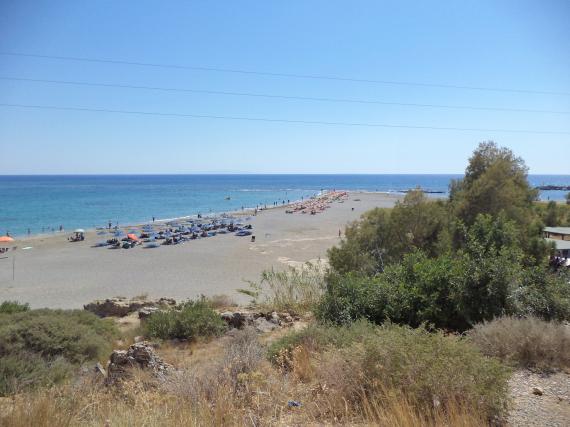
x: 287, y: 97
x: 288, y: 75
x: 270, y: 120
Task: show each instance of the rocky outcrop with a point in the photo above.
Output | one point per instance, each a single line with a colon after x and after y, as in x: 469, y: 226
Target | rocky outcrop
x: 139, y: 355
x: 262, y: 322
x: 145, y: 312
x: 120, y: 306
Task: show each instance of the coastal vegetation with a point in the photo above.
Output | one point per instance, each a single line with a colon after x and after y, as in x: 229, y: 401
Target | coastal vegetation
x: 451, y: 263
x: 293, y: 290
x: 45, y: 347
x: 422, y: 317
x: 188, y: 321
x: 525, y: 342
x: 554, y: 214
x: 362, y: 362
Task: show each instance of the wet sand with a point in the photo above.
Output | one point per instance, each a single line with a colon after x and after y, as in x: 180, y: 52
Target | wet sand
x: 55, y: 273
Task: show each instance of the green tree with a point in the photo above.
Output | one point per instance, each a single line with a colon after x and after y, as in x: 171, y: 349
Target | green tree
x: 490, y: 263
x: 551, y: 214
x: 384, y: 236
x: 495, y: 180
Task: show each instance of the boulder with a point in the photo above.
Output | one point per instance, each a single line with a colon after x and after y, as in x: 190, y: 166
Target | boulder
x: 274, y: 318
x: 286, y: 318
x: 238, y: 319
x: 139, y: 355
x: 537, y: 391
x: 121, y: 306
x: 261, y: 324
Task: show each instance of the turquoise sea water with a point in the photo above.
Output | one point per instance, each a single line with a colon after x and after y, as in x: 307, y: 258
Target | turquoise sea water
x: 43, y: 203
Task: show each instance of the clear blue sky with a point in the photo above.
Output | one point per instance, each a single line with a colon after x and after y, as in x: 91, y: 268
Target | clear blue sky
x: 502, y: 44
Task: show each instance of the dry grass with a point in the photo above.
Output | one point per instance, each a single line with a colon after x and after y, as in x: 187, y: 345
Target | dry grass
x: 229, y: 382
x: 221, y: 301
x: 527, y: 342
x: 296, y: 290
x: 137, y: 405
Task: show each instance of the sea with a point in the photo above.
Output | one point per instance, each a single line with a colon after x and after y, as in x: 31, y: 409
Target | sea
x: 42, y: 204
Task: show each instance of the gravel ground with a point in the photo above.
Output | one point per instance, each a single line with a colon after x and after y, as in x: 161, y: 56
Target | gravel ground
x: 551, y: 409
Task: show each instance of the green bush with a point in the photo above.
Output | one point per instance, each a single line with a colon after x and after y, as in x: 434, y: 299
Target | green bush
x: 317, y: 336
x: 526, y: 342
x: 11, y: 307
x: 428, y: 368
x: 540, y: 294
x: 44, y: 346
x: 383, y: 236
x: 486, y: 278
x: 189, y: 321
x: 23, y: 371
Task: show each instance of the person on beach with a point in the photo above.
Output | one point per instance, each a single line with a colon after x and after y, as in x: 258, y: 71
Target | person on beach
x: 110, y: 224
x: 29, y: 231
x: 152, y: 219
x: 61, y: 228
x: 339, y: 232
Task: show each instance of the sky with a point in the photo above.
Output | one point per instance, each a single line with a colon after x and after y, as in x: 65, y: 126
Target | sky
x: 518, y: 48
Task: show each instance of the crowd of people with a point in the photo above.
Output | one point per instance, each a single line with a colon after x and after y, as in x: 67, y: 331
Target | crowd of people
x: 317, y: 204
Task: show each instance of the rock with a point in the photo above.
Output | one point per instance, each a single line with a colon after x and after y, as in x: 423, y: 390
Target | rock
x: 145, y: 312
x: 274, y: 318
x: 166, y: 302
x: 118, y: 306
x: 262, y: 325
x: 100, y: 371
x: 121, y: 306
x: 139, y: 355
x: 286, y: 318
x: 537, y: 391
x: 237, y: 319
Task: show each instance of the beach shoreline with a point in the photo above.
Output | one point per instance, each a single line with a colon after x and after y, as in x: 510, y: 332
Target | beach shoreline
x: 56, y: 273
x: 24, y: 240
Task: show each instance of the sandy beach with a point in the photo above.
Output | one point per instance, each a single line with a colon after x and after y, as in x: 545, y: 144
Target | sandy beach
x: 55, y: 273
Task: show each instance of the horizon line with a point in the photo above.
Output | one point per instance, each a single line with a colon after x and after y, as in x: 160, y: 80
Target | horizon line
x: 253, y: 173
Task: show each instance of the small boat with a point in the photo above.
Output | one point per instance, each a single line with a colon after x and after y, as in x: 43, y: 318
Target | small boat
x: 228, y: 198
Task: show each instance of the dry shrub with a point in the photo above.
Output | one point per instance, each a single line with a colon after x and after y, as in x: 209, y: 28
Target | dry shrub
x: 361, y: 363
x: 219, y: 301
x: 527, y: 342
x: 296, y: 290
x: 236, y: 386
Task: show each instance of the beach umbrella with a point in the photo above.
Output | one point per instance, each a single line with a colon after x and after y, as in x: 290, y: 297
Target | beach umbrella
x: 133, y: 237
x: 6, y: 239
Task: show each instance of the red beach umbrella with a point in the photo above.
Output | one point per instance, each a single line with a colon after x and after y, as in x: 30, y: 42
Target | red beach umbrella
x: 133, y: 237
x: 6, y: 239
